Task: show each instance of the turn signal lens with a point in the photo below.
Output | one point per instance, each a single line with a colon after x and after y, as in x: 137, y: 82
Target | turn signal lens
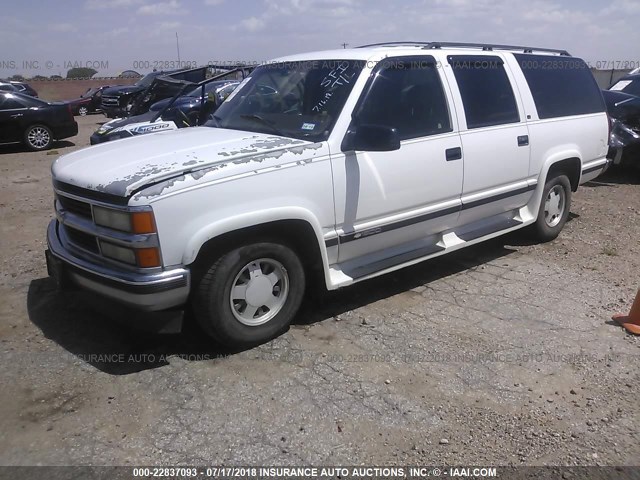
x: 142, y: 222
x: 148, y: 257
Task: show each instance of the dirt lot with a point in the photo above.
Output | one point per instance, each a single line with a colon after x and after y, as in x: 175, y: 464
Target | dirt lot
x: 500, y: 354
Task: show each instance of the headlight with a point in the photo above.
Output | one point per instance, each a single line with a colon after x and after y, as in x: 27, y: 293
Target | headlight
x: 132, y: 222
x: 104, y: 129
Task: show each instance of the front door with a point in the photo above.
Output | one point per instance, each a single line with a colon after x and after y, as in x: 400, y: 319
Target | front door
x: 387, y: 200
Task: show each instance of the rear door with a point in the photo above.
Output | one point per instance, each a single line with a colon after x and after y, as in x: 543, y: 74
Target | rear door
x: 494, y: 134
x: 12, y: 117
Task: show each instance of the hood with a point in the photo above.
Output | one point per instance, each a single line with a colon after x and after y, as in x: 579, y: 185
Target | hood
x: 123, y: 167
x: 78, y: 100
x: 121, y: 122
x: 180, y: 102
x: 114, y: 91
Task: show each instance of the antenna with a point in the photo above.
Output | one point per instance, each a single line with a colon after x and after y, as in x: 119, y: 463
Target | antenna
x: 178, y: 48
x: 344, y: 45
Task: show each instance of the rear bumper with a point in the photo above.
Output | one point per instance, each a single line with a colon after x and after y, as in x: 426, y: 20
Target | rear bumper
x: 144, y: 291
x: 66, y: 131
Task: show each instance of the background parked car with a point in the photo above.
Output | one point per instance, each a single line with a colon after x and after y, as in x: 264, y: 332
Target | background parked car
x: 34, y: 122
x: 624, y: 111
x: 189, y: 103
x: 89, y: 102
x: 7, y: 87
x: 180, y: 111
x: 628, y: 84
x: 24, y: 88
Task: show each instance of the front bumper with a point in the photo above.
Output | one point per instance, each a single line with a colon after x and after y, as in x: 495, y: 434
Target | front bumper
x: 144, y: 291
x: 113, y: 112
x: 96, y: 138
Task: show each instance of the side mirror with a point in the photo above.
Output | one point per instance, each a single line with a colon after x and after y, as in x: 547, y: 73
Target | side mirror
x: 371, y: 138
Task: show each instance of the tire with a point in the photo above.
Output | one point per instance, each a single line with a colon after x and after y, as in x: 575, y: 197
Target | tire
x: 554, y: 208
x: 38, y: 137
x: 82, y: 111
x: 250, y: 294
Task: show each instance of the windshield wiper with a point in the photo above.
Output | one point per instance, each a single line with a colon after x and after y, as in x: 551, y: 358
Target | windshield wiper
x: 264, y: 121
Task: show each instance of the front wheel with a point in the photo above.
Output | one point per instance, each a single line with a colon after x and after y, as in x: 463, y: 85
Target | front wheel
x: 554, y: 208
x: 250, y: 295
x: 82, y: 111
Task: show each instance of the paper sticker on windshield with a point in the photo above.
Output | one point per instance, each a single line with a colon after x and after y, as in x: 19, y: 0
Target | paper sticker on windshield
x: 620, y: 85
x: 237, y: 89
x: 308, y: 126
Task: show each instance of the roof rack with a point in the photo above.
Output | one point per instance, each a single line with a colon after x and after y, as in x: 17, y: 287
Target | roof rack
x: 484, y: 46
x: 396, y: 44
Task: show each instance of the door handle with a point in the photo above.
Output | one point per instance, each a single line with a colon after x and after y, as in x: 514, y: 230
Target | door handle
x: 523, y: 140
x: 16, y: 115
x: 453, y: 153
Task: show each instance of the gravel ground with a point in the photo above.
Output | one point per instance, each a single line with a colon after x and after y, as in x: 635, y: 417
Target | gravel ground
x: 501, y: 354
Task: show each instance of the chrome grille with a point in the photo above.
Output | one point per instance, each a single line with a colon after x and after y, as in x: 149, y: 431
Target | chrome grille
x: 82, y: 209
x: 110, y: 101
x: 82, y: 240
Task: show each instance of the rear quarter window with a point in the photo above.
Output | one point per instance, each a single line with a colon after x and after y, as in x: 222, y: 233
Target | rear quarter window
x: 561, y: 86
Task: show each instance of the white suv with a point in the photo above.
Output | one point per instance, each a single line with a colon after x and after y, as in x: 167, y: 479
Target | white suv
x: 345, y: 164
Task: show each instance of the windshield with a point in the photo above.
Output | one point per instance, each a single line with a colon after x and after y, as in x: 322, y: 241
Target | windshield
x: 147, y: 79
x: 210, y: 87
x: 89, y: 92
x: 293, y: 99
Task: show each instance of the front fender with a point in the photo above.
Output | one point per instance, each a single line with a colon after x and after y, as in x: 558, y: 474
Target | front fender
x: 253, y: 219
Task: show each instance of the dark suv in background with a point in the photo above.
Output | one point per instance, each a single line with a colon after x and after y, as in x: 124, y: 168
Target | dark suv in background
x: 118, y: 101
x: 19, y: 87
x: 24, y: 88
x: 623, y: 106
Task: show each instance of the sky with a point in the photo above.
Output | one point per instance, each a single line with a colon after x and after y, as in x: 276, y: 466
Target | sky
x: 47, y: 38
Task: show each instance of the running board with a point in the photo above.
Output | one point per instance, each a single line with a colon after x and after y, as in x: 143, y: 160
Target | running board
x: 489, y: 229
x: 363, y: 271
x: 435, y: 245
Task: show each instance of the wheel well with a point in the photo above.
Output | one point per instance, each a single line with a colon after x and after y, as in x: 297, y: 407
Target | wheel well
x: 571, y: 167
x: 297, y: 234
x: 36, y: 124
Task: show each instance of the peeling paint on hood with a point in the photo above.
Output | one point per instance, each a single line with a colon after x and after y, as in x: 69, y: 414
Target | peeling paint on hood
x: 124, y: 166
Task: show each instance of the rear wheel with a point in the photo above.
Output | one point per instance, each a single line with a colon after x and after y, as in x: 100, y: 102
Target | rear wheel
x: 82, y: 110
x: 554, y: 208
x: 250, y: 294
x: 38, y: 137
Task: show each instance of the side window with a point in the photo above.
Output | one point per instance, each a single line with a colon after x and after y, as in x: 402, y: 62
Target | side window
x: 407, y: 94
x: 8, y: 103
x: 485, y: 89
x: 561, y: 86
